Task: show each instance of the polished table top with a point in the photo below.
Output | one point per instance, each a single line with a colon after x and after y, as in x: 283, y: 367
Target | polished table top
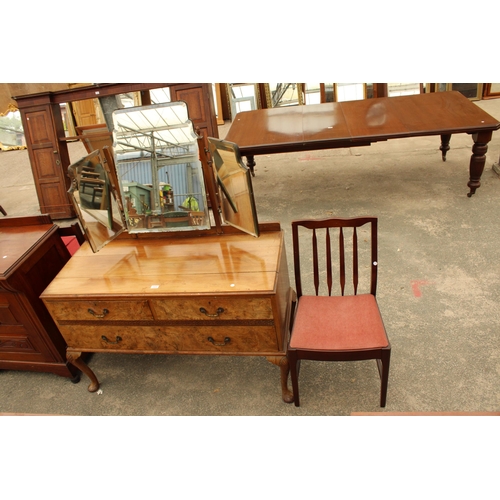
x: 356, y: 123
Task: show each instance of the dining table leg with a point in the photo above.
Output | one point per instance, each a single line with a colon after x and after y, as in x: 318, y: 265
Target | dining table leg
x: 251, y: 164
x: 445, y: 145
x: 478, y: 159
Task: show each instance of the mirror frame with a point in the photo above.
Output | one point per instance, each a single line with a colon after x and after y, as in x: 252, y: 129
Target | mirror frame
x: 238, y: 208
x: 98, y: 233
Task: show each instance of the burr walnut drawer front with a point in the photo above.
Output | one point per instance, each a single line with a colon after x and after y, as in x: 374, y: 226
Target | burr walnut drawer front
x: 171, y: 338
x: 100, y: 310
x: 213, y: 308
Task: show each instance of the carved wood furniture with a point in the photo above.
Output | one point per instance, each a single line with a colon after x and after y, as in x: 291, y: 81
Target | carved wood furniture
x: 46, y: 141
x: 32, y: 253
x: 359, y: 123
x: 211, y: 294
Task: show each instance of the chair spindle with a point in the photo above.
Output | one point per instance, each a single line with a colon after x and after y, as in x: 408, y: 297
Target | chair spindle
x: 355, y: 275
x: 315, y: 261
x: 329, y: 279
x: 342, y: 260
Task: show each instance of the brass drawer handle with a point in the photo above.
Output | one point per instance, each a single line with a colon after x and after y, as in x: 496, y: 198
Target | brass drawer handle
x: 226, y: 341
x: 220, y: 310
x: 118, y: 339
x: 104, y: 312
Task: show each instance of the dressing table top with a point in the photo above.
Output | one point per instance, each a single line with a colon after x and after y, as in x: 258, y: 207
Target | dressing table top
x: 229, y: 263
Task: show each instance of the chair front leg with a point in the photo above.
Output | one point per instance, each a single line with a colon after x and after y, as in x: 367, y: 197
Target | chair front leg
x: 383, y: 366
x: 294, y: 375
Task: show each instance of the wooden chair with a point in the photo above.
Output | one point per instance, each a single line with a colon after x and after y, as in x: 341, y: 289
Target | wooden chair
x: 345, y: 327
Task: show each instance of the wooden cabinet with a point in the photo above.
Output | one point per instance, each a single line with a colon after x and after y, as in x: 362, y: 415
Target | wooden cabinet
x: 201, y: 108
x: 49, y: 160
x: 32, y: 254
x: 215, y: 294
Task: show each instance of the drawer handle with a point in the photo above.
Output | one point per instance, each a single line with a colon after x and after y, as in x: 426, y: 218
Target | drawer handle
x: 220, y: 310
x: 118, y: 339
x: 104, y: 312
x: 226, y: 341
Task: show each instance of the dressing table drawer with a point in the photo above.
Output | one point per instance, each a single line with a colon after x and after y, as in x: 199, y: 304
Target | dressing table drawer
x: 100, y: 310
x: 213, y: 308
x: 189, y: 339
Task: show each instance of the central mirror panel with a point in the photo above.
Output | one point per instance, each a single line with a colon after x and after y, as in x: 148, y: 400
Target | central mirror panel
x: 158, y: 169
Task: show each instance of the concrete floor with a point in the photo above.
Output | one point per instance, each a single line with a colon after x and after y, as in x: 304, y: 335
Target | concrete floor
x: 439, y: 293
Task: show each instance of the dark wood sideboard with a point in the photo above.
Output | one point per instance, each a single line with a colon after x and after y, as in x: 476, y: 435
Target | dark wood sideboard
x: 31, y: 254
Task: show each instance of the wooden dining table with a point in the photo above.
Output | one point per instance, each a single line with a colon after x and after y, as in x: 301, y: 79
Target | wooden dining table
x: 360, y: 123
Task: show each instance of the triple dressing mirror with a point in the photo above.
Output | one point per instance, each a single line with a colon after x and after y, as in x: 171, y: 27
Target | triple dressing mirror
x: 154, y: 180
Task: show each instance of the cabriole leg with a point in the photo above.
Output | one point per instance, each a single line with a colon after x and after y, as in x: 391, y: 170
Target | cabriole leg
x: 282, y: 362
x: 75, y: 359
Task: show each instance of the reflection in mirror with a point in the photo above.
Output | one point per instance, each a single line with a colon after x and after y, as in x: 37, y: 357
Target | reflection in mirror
x: 283, y: 94
x: 312, y: 93
x: 350, y: 91
x: 471, y: 90
x: 243, y: 97
x: 397, y: 89
x: 234, y: 179
x: 94, y: 201
x: 158, y: 169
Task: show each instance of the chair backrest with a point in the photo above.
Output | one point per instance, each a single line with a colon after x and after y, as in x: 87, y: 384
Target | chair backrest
x: 363, y: 249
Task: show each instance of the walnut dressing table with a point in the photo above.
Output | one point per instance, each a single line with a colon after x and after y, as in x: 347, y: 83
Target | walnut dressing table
x: 197, y: 275
x: 212, y: 294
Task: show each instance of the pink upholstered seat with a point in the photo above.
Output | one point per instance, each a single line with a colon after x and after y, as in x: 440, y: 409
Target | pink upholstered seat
x: 339, y: 323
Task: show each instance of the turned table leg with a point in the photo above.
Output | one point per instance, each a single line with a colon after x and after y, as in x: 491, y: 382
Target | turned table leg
x: 282, y: 362
x: 478, y: 160
x: 75, y: 359
x: 445, y: 145
x: 251, y: 164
